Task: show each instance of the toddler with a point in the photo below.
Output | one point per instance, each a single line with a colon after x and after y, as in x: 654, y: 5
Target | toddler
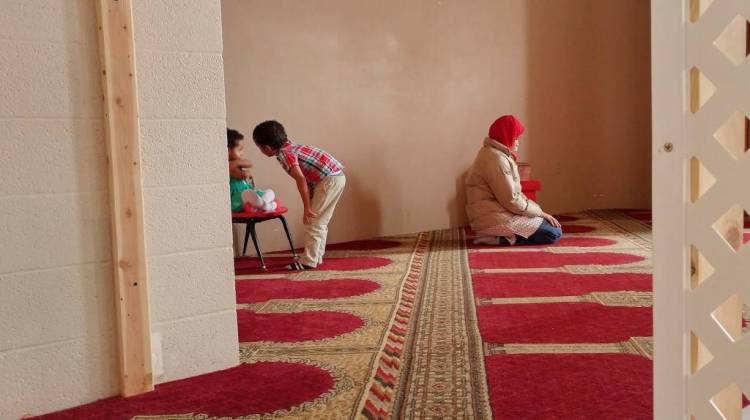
x: 244, y: 192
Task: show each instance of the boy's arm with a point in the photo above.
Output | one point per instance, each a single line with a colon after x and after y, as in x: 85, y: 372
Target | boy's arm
x: 244, y: 163
x: 236, y: 168
x: 304, y: 193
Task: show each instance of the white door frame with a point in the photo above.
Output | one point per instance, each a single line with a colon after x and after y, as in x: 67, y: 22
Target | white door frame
x: 670, y: 193
x: 701, y: 360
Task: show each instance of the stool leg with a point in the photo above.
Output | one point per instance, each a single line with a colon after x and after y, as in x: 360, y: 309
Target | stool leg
x: 288, y: 237
x: 257, y: 246
x: 247, y: 235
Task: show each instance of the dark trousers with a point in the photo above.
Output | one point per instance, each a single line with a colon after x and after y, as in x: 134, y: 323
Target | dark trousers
x: 545, y: 235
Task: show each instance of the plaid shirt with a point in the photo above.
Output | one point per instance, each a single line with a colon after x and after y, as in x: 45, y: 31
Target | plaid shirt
x: 314, y: 163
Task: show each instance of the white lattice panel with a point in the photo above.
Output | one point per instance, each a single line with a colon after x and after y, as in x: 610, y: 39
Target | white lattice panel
x: 718, y: 94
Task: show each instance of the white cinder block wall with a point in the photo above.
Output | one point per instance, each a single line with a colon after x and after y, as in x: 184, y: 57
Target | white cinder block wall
x: 56, y: 299
x: 188, y: 230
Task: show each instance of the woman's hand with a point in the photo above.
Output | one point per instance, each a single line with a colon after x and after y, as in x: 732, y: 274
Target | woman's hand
x: 551, y: 219
x: 308, y: 216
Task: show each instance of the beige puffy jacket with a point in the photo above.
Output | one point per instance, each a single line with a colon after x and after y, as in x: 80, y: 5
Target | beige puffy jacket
x: 493, y: 189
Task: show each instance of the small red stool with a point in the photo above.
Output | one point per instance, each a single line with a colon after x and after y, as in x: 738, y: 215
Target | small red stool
x: 251, y: 217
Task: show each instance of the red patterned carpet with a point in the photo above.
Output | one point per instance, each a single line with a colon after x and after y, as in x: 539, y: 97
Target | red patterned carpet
x: 251, y: 265
x: 295, y: 327
x: 570, y: 386
x: 562, y: 323
x: 428, y: 326
x: 577, y: 228
x: 500, y: 285
x: 567, y: 328
x: 544, y: 259
x: 245, y: 389
x: 264, y: 290
x: 278, y: 376
x: 580, y: 241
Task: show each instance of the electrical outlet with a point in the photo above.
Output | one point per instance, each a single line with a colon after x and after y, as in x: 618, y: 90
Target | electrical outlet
x: 157, y: 357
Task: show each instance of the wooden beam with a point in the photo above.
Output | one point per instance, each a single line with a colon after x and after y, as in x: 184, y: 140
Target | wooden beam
x: 120, y: 95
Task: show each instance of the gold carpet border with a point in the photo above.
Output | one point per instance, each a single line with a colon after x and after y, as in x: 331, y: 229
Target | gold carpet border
x: 355, y: 353
x: 639, y: 346
x: 383, y: 383
x: 621, y: 298
x: 447, y: 374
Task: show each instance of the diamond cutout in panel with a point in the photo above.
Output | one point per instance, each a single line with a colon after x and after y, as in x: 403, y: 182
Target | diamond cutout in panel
x: 730, y: 227
x: 699, y: 354
x: 698, y: 8
x: 728, y: 402
x: 729, y: 317
x: 700, y: 268
x: 733, y: 42
x: 734, y: 135
x: 701, y: 180
x: 701, y: 90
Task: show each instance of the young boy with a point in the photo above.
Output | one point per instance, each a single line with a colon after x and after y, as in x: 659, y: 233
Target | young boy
x: 242, y: 192
x: 320, y: 180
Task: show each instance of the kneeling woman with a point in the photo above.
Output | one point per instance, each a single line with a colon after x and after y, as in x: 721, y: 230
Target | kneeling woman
x: 498, y: 210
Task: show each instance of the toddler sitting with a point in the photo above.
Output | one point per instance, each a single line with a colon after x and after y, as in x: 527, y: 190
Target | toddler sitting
x: 241, y: 185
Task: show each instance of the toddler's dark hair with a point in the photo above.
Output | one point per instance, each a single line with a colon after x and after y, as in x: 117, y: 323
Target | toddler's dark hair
x: 270, y: 133
x: 233, y: 138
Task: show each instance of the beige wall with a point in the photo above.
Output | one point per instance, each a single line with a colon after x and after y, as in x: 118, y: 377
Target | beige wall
x: 588, y: 108
x: 403, y: 93
x: 56, y: 298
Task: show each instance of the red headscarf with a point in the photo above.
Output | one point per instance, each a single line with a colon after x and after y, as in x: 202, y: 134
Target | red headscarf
x: 506, y: 130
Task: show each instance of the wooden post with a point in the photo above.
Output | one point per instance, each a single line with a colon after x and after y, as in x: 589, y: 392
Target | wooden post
x: 120, y: 97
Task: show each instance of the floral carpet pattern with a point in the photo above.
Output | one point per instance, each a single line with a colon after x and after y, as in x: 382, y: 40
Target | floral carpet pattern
x: 567, y: 328
x: 430, y: 326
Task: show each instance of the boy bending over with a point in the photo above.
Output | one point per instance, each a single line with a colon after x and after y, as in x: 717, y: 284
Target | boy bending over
x: 320, y: 180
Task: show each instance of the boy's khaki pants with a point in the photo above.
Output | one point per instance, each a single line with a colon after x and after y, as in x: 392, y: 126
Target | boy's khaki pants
x: 325, y: 196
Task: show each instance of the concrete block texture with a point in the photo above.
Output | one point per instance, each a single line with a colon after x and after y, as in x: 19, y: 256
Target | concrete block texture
x: 183, y: 152
x: 178, y: 25
x: 46, y: 231
x: 190, y: 284
x: 48, y: 306
x: 44, y: 80
x: 52, y: 156
x: 57, y: 326
x: 53, y: 21
x: 189, y: 218
x: 180, y: 85
x: 47, y: 378
x: 199, y: 344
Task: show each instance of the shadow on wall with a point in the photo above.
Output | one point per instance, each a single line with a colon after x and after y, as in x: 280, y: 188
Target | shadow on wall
x: 359, y: 205
x: 97, y: 304
x: 457, y: 205
x: 588, y: 102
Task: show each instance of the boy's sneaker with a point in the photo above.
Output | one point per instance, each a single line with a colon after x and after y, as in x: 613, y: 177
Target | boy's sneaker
x: 299, y: 266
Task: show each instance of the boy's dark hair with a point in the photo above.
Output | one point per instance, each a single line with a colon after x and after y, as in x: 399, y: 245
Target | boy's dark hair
x: 270, y: 133
x: 233, y: 138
